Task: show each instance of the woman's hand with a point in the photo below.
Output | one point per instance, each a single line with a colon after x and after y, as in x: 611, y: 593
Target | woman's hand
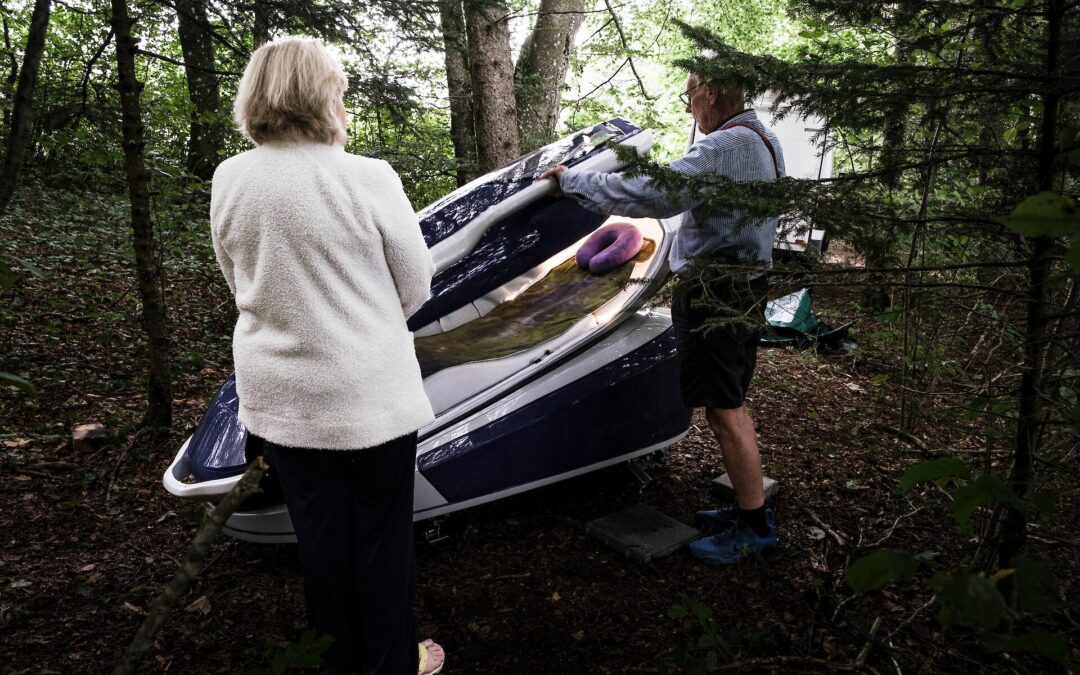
x: 554, y: 172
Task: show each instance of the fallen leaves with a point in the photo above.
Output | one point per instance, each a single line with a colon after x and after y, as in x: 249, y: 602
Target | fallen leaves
x: 201, y: 605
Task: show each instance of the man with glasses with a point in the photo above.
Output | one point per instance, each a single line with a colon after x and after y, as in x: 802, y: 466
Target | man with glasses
x: 721, y: 257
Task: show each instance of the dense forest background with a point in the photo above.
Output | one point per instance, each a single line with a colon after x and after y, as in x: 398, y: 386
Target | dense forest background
x: 956, y: 248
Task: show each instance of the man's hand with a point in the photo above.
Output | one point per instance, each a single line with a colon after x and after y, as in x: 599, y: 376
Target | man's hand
x: 554, y: 172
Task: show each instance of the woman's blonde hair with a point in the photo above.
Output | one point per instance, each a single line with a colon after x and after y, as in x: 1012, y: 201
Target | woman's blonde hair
x: 291, y: 90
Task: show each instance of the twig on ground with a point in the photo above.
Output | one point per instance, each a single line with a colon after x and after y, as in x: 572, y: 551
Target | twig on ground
x: 889, y: 532
x: 120, y: 461
x: 823, y: 525
x: 193, y: 564
x: 783, y: 661
x: 31, y: 472
x: 903, y: 435
x: 865, y: 651
x: 840, y: 605
x: 905, y: 622
x: 147, y: 554
x: 52, y: 466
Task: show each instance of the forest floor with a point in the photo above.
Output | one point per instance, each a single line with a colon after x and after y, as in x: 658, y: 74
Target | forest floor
x: 519, y: 586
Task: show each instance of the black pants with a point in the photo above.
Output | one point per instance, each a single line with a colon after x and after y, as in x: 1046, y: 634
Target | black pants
x: 352, y: 513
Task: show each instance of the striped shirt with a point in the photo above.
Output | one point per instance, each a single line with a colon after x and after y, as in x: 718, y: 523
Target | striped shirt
x: 705, y: 232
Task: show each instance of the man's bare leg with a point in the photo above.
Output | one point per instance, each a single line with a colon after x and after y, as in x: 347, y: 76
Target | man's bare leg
x: 734, y: 431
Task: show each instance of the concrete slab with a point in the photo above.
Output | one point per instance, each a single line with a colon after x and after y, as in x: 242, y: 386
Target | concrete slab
x: 642, y: 533
x: 722, y: 485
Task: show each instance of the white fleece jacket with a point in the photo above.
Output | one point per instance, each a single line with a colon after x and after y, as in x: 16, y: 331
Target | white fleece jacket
x: 325, y: 257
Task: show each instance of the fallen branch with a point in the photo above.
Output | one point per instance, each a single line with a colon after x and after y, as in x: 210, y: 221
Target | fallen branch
x: 120, y: 462
x: 52, y: 466
x: 905, y: 622
x: 193, y: 564
x: 823, y: 525
x: 31, y: 472
x: 865, y: 651
x: 892, y: 529
x: 783, y: 661
x: 903, y: 435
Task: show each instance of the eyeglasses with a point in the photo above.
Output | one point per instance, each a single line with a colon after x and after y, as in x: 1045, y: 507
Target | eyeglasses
x: 685, y: 96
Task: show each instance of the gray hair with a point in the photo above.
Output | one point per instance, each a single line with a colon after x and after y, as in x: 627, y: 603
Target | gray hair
x: 729, y: 96
x: 291, y: 90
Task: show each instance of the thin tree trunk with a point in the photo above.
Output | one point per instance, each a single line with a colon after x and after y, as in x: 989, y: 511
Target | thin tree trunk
x: 1030, y: 420
x: 207, y: 139
x: 22, y: 111
x: 497, y: 141
x: 541, y: 70
x: 147, y: 264
x: 260, y: 32
x: 459, y: 86
x: 879, y: 253
x: 13, y: 70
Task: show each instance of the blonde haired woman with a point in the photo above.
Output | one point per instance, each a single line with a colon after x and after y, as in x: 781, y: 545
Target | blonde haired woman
x: 325, y: 258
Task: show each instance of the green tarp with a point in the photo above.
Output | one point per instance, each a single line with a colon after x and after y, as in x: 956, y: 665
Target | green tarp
x: 791, y: 321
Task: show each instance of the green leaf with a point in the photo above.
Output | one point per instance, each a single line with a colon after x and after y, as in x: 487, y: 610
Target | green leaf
x: 33, y: 269
x: 975, y: 407
x: 702, y: 612
x: 968, y: 498
x: 984, y: 490
x: 677, y: 612
x: 1036, y: 587
x: 881, y: 568
x: 1073, y: 256
x: 1067, y: 139
x: 1046, y: 214
x: 1004, y: 404
x: 934, y: 469
x: 1039, y: 642
x: 18, y: 383
x: 999, y: 491
x: 7, y: 277
x: 969, y: 599
x: 1042, y: 502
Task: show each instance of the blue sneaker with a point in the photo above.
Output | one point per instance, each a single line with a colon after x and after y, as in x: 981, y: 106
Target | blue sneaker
x: 735, y: 543
x: 712, y: 521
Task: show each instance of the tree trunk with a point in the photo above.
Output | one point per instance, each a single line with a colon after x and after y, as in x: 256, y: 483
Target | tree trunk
x: 460, y: 89
x: 497, y: 141
x: 22, y: 111
x: 13, y: 69
x: 147, y: 264
x: 207, y: 139
x: 541, y: 70
x: 1030, y: 420
x: 879, y: 249
x: 260, y: 32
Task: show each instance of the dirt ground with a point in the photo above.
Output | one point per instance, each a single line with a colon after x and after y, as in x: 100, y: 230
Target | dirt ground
x: 518, y: 586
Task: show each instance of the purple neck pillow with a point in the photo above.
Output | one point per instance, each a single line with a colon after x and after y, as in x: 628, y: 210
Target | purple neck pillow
x: 609, y: 247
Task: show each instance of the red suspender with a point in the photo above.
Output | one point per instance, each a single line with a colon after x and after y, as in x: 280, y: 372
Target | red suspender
x: 763, y: 137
